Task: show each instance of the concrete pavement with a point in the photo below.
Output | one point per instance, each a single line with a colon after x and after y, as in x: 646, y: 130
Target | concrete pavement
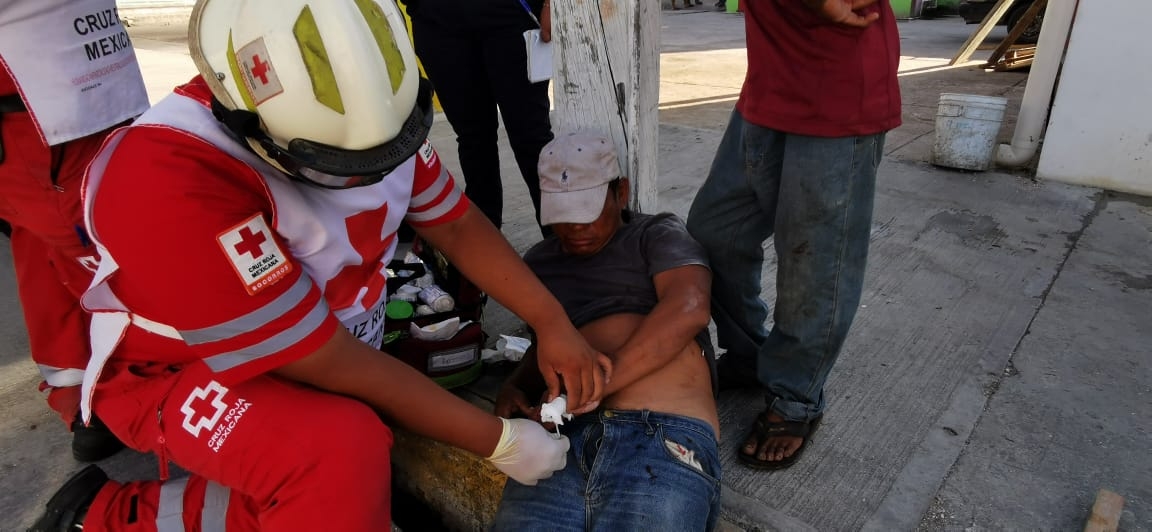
x: 995, y: 378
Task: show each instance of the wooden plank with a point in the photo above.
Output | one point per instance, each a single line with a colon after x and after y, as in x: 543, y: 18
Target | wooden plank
x: 1017, y: 31
x: 607, y: 79
x: 1005, y: 66
x: 982, y: 31
x: 1015, y: 59
x: 1018, y: 55
x: 1106, y: 512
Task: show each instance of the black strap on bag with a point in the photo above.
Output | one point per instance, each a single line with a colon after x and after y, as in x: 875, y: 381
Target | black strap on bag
x: 9, y: 104
x: 394, y: 283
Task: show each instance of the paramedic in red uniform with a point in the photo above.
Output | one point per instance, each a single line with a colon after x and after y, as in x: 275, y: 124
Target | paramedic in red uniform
x: 68, y: 74
x: 244, y: 224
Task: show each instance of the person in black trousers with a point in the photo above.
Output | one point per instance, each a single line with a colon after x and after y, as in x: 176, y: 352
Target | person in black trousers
x: 473, y: 52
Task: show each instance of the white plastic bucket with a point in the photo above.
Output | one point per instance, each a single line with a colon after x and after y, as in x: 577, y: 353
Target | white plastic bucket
x: 966, y: 130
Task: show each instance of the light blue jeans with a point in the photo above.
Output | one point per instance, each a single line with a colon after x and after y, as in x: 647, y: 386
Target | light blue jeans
x: 627, y: 471
x: 815, y: 195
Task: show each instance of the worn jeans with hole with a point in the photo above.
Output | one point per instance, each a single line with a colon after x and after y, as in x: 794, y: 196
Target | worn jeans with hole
x: 623, y: 475
x: 814, y: 195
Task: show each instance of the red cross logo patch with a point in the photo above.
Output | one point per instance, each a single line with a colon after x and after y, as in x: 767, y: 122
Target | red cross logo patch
x: 259, y: 75
x: 254, y: 254
x: 203, y: 408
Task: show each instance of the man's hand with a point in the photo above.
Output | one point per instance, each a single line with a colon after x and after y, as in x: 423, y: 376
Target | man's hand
x: 546, y: 22
x: 844, y: 11
x: 564, y: 354
x: 512, y: 402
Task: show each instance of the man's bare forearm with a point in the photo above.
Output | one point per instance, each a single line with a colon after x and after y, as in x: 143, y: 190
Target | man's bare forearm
x: 681, y: 313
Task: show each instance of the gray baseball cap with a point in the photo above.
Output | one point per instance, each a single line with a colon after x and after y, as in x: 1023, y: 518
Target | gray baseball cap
x: 575, y: 170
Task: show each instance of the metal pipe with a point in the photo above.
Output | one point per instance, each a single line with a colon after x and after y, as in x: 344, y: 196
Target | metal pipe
x: 1041, y: 83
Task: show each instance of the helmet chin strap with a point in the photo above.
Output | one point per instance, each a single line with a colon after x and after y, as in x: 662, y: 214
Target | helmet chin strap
x: 245, y: 128
x: 241, y: 123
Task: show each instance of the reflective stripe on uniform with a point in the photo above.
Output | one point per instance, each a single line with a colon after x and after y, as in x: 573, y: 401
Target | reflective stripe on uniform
x: 170, y: 511
x: 291, y: 336
x: 212, y: 516
x: 61, y: 377
x: 434, y: 190
x: 253, y: 320
x: 430, y: 194
x: 155, y: 327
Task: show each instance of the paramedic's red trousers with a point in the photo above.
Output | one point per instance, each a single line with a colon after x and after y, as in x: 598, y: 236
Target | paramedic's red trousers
x: 280, y: 456
x: 40, y: 198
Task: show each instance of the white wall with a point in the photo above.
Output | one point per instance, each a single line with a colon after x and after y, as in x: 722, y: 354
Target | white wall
x: 1100, y: 131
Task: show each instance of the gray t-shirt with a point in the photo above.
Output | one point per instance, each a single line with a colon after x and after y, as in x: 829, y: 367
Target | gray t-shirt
x: 617, y: 279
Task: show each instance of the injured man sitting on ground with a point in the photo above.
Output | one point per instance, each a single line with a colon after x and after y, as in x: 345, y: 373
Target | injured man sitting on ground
x: 637, y: 286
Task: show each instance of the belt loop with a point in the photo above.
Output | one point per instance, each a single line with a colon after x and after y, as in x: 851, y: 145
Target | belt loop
x: 649, y: 429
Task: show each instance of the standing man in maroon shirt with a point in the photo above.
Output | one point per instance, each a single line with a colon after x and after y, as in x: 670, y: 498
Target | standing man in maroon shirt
x: 798, y: 162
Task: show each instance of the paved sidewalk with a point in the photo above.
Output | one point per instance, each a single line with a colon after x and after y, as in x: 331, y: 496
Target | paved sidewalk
x: 996, y: 377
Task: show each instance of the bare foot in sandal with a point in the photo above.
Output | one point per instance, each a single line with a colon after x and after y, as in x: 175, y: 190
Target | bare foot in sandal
x: 774, y: 448
x: 775, y: 443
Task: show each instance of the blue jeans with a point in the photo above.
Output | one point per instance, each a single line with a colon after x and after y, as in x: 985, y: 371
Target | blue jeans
x: 815, y: 195
x: 623, y: 474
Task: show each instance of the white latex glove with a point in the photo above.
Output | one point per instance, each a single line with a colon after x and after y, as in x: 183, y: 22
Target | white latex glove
x: 527, y: 453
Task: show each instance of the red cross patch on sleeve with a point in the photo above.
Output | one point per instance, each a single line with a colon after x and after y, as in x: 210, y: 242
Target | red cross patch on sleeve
x: 254, y: 254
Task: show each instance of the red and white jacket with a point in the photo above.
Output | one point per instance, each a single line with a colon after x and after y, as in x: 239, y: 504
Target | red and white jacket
x: 211, y: 255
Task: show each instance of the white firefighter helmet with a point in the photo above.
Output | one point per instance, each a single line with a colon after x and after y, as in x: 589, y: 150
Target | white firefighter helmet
x: 327, y: 90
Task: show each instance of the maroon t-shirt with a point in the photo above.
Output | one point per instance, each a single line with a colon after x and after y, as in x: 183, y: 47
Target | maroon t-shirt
x: 808, y: 76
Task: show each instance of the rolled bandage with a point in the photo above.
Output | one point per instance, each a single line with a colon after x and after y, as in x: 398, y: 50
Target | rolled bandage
x: 555, y: 411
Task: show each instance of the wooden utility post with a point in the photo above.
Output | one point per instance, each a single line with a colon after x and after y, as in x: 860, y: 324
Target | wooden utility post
x: 607, y: 78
